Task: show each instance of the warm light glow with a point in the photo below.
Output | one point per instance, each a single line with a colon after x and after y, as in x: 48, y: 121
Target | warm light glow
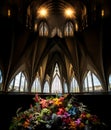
x: 69, y: 13
x: 76, y: 26
x: 102, y: 12
x: 35, y: 27
x: 9, y: 12
x: 42, y: 12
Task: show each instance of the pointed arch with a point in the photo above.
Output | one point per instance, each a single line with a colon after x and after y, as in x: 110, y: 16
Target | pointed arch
x: 91, y: 83
x: 69, y: 29
x: 46, y: 87
x: 56, y: 82
x: 18, y: 83
x: 74, y: 87
x: 43, y: 29
x: 36, y: 86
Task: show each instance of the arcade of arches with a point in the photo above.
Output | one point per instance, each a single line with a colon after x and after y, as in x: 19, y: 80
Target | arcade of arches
x: 55, y: 46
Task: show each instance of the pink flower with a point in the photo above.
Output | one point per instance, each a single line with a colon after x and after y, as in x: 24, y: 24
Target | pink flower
x: 44, y: 103
x: 36, y: 98
x: 78, y: 121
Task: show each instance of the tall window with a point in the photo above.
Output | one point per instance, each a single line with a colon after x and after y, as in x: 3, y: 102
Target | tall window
x: 46, y: 87
x: 91, y: 83
x: 69, y: 29
x: 74, y: 86
x: 36, y: 87
x: 43, y: 29
x: 56, y: 84
x: 109, y: 86
x: 65, y: 87
x: 1, y: 80
x: 19, y: 83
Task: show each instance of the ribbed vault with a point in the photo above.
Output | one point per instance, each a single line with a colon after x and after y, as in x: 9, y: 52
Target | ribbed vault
x: 23, y: 49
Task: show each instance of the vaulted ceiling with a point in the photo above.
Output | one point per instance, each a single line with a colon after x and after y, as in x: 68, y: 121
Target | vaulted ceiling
x: 21, y: 47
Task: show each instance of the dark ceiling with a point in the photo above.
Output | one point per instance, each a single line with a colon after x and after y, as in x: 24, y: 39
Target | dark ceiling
x: 21, y: 48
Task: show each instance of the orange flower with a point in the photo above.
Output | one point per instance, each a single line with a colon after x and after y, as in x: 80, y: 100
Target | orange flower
x: 26, y: 124
x: 81, y: 125
x: 72, y: 125
x: 57, y: 101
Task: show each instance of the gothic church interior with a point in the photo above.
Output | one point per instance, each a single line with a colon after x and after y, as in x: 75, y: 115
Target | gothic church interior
x: 54, y: 46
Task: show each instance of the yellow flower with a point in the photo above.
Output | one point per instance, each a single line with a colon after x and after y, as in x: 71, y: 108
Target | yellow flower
x: 57, y: 101
x: 88, y: 115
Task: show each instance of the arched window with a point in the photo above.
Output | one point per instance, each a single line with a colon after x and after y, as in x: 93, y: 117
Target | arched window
x: 1, y: 79
x: 43, y: 29
x: 65, y: 87
x: 19, y: 83
x: 46, y: 87
x: 109, y: 86
x: 91, y: 83
x: 69, y: 29
x: 56, y: 84
x: 74, y: 87
x: 56, y: 31
x: 36, y: 87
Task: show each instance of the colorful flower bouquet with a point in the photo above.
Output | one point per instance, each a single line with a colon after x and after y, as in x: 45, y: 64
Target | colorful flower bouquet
x: 55, y: 112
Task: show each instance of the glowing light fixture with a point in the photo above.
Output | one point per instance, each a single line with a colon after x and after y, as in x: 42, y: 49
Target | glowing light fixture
x: 42, y: 12
x: 69, y: 13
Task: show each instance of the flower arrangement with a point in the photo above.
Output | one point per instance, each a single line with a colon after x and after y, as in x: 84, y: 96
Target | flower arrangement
x: 61, y: 112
